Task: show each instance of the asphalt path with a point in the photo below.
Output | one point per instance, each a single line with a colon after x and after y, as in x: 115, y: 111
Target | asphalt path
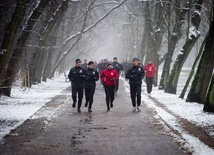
x: 121, y: 131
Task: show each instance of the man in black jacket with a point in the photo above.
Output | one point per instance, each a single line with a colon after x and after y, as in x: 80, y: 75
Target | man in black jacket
x: 135, y: 75
x: 90, y: 84
x: 118, y: 67
x: 77, y: 78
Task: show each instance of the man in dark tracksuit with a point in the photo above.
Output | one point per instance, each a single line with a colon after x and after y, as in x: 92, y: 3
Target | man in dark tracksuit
x: 90, y: 84
x: 118, y: 67
x: 77, y: 78
x: 135, y: 75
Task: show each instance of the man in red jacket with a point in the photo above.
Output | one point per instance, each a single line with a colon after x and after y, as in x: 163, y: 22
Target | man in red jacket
x: 108, y: 78
x: 150, y: 71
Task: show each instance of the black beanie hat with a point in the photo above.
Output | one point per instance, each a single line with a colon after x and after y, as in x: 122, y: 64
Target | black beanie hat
x: 78, y: 60
x: 108, y: 64
x: 90, y: 63
x: 135, y: 59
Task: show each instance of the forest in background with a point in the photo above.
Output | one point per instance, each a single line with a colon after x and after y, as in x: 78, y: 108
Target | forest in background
x: 42, y: 37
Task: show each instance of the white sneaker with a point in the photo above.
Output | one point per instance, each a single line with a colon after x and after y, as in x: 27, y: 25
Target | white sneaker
x: 149, y: 94
x: 134, y: 109
x: 138, y: 109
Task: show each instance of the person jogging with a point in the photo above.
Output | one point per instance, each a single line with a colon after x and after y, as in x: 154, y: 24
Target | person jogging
x: 150, y: 72
x: 77, y: 78
x: 135, y: 75
x: 90, y: 84
x: 118, y: 67
x: 108, y: 78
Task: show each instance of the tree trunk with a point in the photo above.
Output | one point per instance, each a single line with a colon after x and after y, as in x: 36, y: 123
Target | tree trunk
x: 193, y: 70
x: 8, y: 41
x: 15, y: 59
x: 171, y: 86
x: 154, y: 37
x: 209, y: 104
x: 204, y: 72
x: 172, y: 41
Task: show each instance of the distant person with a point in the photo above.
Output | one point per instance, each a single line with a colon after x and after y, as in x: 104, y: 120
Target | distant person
x: 108, y: 78
x: 119, y: 68
x: 90, y: 84
x: 77, y: 78
x: 150, y: 72
x: 135, y: 75
x: 84, y: 65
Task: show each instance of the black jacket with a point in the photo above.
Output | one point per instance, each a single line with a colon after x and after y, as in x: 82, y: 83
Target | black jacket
x: 90, y: 78
x: 135, y: 75
x: 77, y: 77
x: 118, y: 67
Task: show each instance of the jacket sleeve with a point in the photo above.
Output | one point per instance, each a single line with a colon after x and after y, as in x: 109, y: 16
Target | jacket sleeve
x: 121, y: 67
x: 70, y: 75
x: 128, y: 74
x: 102, y: 77
x: 143, y: 72
x: 116, y: 75
x: 96, y: 78
x: 154, y: 69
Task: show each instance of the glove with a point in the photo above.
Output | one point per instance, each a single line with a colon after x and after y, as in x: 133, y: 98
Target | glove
x: 86, y: 77
x: 112, y: 79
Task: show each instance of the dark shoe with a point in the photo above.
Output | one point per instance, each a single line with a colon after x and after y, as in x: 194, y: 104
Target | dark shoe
x: 89, y: 110
x: 111, y: 105
x: 74, y: 104
x: 86, y: 104
x: 78, y: 110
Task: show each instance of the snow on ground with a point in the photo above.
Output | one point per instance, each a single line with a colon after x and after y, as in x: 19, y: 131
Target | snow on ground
x: 23, y: 104
x: 193, y: 112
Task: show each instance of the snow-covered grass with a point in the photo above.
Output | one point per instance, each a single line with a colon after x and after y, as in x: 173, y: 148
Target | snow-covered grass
x: 193, y: 112
x: 22, y: 105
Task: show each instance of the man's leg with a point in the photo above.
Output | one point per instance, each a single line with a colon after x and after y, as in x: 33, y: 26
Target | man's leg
x: 74, y: 96
x: 91, y: 99
x: 107, y: 92
x: 147, y: 84
x: 138, y: 88
x: 133, y: 94
x: 87, y: 96
x: 112, y: 88
x: 150, y: 84
x: 80, y: 96
x: 117, y: 86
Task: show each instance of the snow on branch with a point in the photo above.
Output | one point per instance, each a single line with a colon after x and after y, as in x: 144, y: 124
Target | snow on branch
x: 193, y: 32
x: 93, y: 25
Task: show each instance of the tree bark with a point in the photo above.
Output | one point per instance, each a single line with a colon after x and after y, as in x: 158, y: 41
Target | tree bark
x: 193, y: 70
x: 209, y: 104
x: 173, y: 38
x: 8, y: 41
x: 204, y: 72
x: 171, y: 86
x: 15, y: 59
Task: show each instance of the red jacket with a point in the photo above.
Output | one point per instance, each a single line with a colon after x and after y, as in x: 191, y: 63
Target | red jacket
x: 109, y: 77
x: 150, y: 70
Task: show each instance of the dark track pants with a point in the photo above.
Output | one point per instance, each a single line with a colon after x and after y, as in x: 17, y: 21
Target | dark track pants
x: 149, y: 83
x: 89, y: 95
x: 109, y: 90
x: 78, y: 90
x: 135, y: 90
x: 116, y: 85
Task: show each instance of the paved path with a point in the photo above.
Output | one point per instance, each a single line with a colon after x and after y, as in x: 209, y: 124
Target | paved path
x: 119, y: 132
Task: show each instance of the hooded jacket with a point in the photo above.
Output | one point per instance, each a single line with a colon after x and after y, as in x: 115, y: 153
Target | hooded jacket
x: 77, y: 77
x: 150, y: 70
x: 90, y: 78
x: 135, y: 74
x: 109, y: 77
